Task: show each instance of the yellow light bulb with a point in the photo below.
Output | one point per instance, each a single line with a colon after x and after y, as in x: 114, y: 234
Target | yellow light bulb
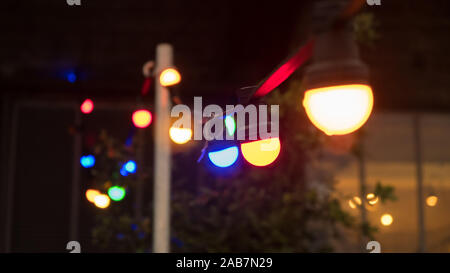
x: 91, y: 194
x: 169, y: 76
x: 261, y: 152
x: 339, y: 110
x: 180, y: 135
x: 372, y: 199
x: 351, y: 204
x: 432, y: 200
x: 357, y: 200
x: 386, y: 219
x: 102, y: 201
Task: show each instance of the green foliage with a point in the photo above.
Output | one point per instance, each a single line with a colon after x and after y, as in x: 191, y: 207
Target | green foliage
x: 385, y: 193
x: 368, y: 230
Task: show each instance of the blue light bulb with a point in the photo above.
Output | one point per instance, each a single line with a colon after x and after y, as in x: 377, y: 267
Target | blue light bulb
x: 224, y: 158
x: 71, y: 77
x: 130, y: 166
x: 87, y: 161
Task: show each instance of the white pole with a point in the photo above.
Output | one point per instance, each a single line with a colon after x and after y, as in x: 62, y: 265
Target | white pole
x: 419, y: 173
x: 161, y: 199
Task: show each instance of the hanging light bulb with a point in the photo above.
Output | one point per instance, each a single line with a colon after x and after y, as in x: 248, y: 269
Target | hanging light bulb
x: 338, y: 99
x: 339, y: 110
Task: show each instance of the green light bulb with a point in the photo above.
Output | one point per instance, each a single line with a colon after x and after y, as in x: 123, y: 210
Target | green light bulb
x: 230, y: 124
x: 116, y: 193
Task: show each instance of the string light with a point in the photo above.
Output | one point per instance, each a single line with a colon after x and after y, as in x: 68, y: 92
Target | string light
x: 372, y: 199
x: 354, y: 202
x: 169, y: 77
x: 91, y: 194
x: 130, y: 166
x: 142, y: 118
x: 386, y: 219
x: 87, y: 106
x: 230, y: 124
x: 71, y: 77
x: 261, y: 152
x: 116, y: 193
x: 123, y: 172
x: 180, y: 135
x: 432, y: 200
x: 102, y: 201
x: 87, y: 161
x: 224, y: 158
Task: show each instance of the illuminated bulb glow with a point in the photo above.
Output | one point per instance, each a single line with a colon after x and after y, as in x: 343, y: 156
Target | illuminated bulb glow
x: 123, y: 172
x: 91, y: 194
x: 180, y: 135
x: 339, y: 110
x: 372, y: 199
x: 432, y: 200
x: 102, y: 201
x: 116, y: 193
x: 142, y: 118
x: 354, y: 202
x: 71, y: 77
x: 130, y: 166
x: 87, y: 161
x: 261, y: 152
x: 351, y: 204
x: 169, y: 76
x: 224, y: 158
x: 386, y: 219
x: 230, y: 124
x: 87, y: 106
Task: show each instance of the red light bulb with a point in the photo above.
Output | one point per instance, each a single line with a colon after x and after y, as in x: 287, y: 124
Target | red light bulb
x: 87, y: 106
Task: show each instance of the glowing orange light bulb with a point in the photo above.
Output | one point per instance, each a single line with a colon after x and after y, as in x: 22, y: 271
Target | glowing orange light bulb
x: 169, y: 77
x: 432, y: 200
x: 91, y: 194
x: 142, y: 118
x: 339, y: 110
